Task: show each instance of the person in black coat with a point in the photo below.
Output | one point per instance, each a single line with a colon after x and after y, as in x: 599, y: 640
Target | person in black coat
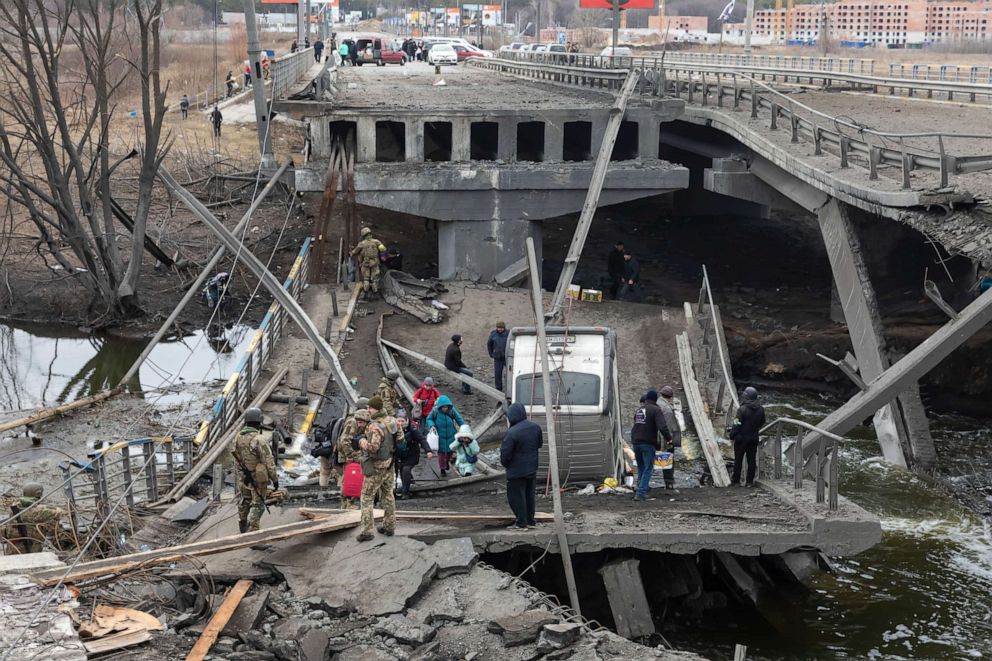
x: 453, y: 360
x: 649, y: 421
x: 744, y: 433
x: 496, y: 346
x: 408, y: 458
x: 631, y: 277
x: 615, y: 266
x: 518, y: 455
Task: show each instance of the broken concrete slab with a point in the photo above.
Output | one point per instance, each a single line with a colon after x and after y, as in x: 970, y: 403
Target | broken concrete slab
x: 523, y: 628
x: 175, y: 508
x: 191, y: 513
x: 557, y: 636
x: 291, y: 628
x: 247, y: 615
x: 25, y: 563
x: 391, y: 573
x: 439, y: 603
x: 406, y: 630
x: 369, y: 653
x: 313, y: 645
x: 454, y: 556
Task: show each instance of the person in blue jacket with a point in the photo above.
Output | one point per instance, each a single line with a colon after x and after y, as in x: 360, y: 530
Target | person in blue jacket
x: 518, y: 454
x: 446, y: 419
x: 466, y: 451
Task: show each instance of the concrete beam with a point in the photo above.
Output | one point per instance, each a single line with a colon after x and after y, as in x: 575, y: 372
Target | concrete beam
x: 731, y: 177
x: 628, y: 601
x: 479, y: 250
x: 864, y: 323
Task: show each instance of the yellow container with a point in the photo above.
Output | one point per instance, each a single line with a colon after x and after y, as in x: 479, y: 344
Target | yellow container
x: 574, y: 292
x: 592, y: 295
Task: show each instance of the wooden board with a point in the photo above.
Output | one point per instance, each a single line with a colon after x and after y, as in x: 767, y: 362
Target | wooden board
x: 87, y: 570
x: 429, y: 515
x: 116, y: 641
x: 700, y: 416
x: 219, y: 620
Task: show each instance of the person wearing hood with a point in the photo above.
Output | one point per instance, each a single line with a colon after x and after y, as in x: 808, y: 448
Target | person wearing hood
x: 425, y: 397
x: 496, y: 346
x: 453, y: 361
x: 446, y: 419
x: 408, y: 456
x: 649, y: 422
x: 667, y: 406
x: 466, y: 451
x: 518, y: 455
x: 744, y: 433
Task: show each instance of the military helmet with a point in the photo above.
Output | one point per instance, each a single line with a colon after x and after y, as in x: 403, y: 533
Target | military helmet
x: 363, y: 414
x: 392, y: 375
x: 253, y: 416
x: 361, y: 402
x: 33, y: 490
x: 366, y: 231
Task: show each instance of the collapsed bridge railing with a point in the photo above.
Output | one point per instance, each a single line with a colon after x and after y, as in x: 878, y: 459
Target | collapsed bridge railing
x: 822, y: 465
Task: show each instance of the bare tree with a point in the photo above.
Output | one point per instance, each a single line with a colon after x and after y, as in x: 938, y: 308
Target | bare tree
x: 64, y: 65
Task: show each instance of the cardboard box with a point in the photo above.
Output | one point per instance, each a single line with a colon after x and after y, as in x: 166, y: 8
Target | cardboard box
x: 592, y: 295
x: 574, y: 292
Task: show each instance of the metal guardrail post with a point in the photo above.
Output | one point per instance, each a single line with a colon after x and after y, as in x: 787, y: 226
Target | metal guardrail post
x: 170, y: 463
x: 126, y: 464
x: 70, y: 496
x: 754, y: 101
x: 817, y: 146
x: 100, y: 491
x: 820, y: 468
x: 873, y: 156
x: 797, y: 460
x: 943, y: 161
x: 151, y: 470
x: 774, y: 119
x: 845, y: 145
x: 705, y: 89
x: 777, y: 453
x: 834, y: 488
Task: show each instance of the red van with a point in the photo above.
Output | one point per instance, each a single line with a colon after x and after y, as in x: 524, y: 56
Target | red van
x: 379, y: 51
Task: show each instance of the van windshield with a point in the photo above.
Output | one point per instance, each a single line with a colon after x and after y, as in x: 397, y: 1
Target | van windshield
x: 577, y: 389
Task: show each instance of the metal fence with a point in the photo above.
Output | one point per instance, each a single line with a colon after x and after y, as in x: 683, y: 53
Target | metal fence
x: 288, y: 69
x: 237, y: 392
x: 977, y: 74
x: 713, y: 346
x: 791, y: 62
x: 823, y: 466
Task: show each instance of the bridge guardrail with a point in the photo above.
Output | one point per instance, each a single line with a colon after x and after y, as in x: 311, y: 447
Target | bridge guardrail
x: 852, y: 143
x: 288, y: 69
x: 977, y: 73
x: 822, y: 466
x: 861, y: 79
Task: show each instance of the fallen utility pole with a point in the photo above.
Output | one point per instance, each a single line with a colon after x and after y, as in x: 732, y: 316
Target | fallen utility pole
x: 484, y: 388
x: 219, y: 620
x: 911, y: 368
x: 275, y: 288
x: 194, y: 289
x: 125, y: 219
x: 158, y: 557
x: 542, y: 347
x: 592, y: 196
x: 44, y: 414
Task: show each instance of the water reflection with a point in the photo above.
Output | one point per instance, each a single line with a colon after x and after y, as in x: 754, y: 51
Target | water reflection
x: 43, y: 365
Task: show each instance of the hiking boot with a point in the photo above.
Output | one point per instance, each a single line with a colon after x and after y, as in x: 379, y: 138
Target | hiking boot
x: 242, y: 526
x: 516, y: 527
x: 388, y: 532
x: 444, y: 473
x: 644, y: 499
x: 365, y: 537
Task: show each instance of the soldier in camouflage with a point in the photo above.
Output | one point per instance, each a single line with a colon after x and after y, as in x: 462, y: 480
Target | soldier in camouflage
x: 378, y: 414
x: 347, y: 454
x: 387, y: 392
x: 377, y: 467
x: 367, y: 253
x: 327, y: 464
x: 35, y: 526
x: 253, y: 456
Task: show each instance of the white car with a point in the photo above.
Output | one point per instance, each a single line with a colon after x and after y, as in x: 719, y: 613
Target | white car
x: 442, y: 54
x: 619, y: 51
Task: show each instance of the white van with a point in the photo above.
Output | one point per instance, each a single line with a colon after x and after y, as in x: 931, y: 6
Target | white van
x: 584, y: 387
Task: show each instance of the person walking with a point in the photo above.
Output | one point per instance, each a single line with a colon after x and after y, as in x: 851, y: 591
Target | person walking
x: 367, y: 253
x: 377, y: 449
x: 253, y: 455
x: 446, y: 419
x: 744, y: 433
x: 229, y: 83
x: 631, y: 278
x: 466, y: 451
x: 338, y: 455
x: 408, y: 457
x: 453, y: 361
x: 424, y: 398
x: 387, y: 392
x: 184, y: 107
x: 496, y: 346
x: 216, y: 119
x: 306, y: 43
x: 649, y: 422
x: 247, y: 74
x: 667, y: 406
x: 293, y: 47
x: 615, y: 266
x: 352, y: 430
x: 518, y: 455
x: 343, y: 52
x: 318, y: 51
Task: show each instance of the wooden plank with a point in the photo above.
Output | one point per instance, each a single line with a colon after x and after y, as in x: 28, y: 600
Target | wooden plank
x: 338, y: 342
x: 456, y: 482
x: 700, y: 416
x: 628, y: 601
x: 219, y: 620
x: 116, y: 641
x: 542, y: 345
x: 156, y: 557
x: 411, y: 515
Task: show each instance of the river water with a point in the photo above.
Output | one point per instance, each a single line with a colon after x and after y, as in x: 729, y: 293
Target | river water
x: 43, y: 365
x: 925, y: 592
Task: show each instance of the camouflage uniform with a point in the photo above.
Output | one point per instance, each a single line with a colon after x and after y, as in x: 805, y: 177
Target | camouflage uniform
x: 347, y: 455
x: 35, y: 526
x: 253, y: 453
x: 390, y: 398
x: 377, y: 467
x: 367, y: 252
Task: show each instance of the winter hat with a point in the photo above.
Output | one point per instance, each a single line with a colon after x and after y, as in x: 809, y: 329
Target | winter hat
x: 667, y: 392
x: 464, y: 431
x: 456, y: 338
x: 651, y: 395
x: 750, y: 394
x: 400, y: 413
x: 500, y: 324
x: 375, y: 403
x: 429, y: 381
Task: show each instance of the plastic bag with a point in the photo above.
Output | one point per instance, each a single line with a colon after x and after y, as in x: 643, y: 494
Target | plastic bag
x: 433, y: 440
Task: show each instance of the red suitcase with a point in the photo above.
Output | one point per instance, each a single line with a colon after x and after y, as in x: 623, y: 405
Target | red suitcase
x: 351, y: 487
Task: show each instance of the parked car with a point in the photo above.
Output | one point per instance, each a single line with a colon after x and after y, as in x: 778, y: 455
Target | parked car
x: 442, y: 53
x: 373, y: 50
x: 516, y: 45
x: 464, y: 52
x: 619, y: 51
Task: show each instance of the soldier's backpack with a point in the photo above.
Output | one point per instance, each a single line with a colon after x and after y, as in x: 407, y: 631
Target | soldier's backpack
x: 351, y: 486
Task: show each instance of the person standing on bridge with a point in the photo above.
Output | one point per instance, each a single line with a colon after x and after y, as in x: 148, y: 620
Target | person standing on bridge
x: 446, y: 420
x: 343, y: 52
x: 216, y: 119
x: 649, y: 422
x: 453, y: 361
x: 667, y: 406
x: 253, y: 456
x: 229, y: 83
x: 496, y: 345
x: 377, y: 449
x: 318, y: 51
x: 631, y: 278
x: 744, y: 434
x: 184, y: 107
x: 367, y: 252
x: 518, y: 453
x: 615, y: 266
x: 408, y: 457
x: 424, y: 399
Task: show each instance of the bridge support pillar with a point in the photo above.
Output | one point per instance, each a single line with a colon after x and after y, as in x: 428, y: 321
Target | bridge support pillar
x: 554, y: 140
x: 479, y: 249
x: 900, y: 425
x: 648, y: 134
x: 506, y: 149
x: 366, y: 140
x: 461, y: 139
